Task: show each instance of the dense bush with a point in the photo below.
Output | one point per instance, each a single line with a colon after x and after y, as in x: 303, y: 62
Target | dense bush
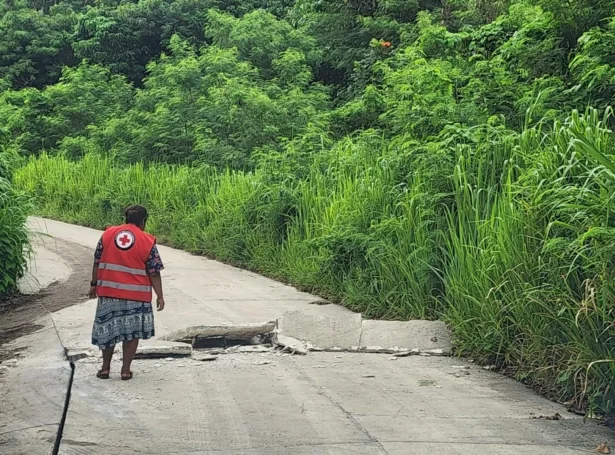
x: 13, y: 233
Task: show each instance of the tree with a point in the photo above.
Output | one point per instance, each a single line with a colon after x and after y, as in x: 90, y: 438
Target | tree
x: 35, y: 44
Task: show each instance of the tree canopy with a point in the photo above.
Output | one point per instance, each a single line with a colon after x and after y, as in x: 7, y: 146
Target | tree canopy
x: 223, y: 82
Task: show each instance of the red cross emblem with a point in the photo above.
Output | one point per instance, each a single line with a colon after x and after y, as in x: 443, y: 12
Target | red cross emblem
x: 124, y: 240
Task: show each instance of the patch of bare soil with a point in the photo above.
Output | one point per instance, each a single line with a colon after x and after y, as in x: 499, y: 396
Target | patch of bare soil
x: 18, y: 312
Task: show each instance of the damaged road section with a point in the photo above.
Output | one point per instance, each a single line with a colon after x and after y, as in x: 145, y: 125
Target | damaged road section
x: 297, y: 332
x: 222, y: 336
x: 349, y: 332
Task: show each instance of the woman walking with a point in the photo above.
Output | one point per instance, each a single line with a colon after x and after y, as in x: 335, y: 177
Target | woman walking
x: 126, y: 268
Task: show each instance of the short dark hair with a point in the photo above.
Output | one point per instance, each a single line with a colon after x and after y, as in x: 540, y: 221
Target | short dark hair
x: 136, y: 214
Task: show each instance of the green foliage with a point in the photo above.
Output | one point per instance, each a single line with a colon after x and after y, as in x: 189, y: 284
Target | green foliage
x: 344, y: 31
x: 127, y: 36
x: 594, y: 65
x: 212, y: 106
x: 260, y: 38
x: 60, y: 114
x: 14, y: 240
x: 216, y: 104
x: 38, y: 37
x: 34, y: 45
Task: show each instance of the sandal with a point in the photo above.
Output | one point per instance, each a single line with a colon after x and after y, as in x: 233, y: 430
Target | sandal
x: 126, y: 376
x: 101, y: 375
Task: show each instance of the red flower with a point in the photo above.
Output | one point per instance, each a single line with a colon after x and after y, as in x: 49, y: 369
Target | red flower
x: 386, y: 44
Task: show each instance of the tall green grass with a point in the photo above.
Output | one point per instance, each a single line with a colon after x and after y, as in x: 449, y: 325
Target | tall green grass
x: 507, y: 236
x: 14, y: 240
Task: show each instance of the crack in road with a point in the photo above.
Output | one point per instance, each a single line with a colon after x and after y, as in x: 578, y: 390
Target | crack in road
x: 58, y: 442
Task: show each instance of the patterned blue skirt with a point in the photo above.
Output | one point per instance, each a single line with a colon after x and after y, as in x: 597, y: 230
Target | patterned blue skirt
x: 120, y: 320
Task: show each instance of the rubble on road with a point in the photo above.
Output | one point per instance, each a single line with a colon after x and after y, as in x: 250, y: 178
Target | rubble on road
x: 407, y: 353
x: 260, y: 348
x: 75, y: 355
x: 603, y: 448
x: 291, y: 345
x: 298, y: 333
x: 203, y: 357
x: 555, y: 416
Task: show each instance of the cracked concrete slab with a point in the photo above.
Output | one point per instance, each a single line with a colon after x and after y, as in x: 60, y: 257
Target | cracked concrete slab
x: 148, y: 349
x: 423, y: 335
x: 349, y: 332
x: 161, y: 349
x: 292, y: 345
x: 32, y: 393
x: 229, y: 331
x: 324, y: 331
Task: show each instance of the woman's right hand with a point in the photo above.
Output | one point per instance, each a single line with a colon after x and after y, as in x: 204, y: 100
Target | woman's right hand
x: 92, y: 293
x: 160, y: 303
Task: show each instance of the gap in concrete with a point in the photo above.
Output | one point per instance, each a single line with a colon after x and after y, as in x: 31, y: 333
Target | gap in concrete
x: 229, y: 336
x: 224, y: 342
x: 69, y: 389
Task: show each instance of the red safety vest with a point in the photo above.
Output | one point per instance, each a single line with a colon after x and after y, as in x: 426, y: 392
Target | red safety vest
x: 122, y: 268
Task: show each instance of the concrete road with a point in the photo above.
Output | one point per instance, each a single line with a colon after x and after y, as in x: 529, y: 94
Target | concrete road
x: 198, y: 291
x: 324, y: 403
x: 265, y: 403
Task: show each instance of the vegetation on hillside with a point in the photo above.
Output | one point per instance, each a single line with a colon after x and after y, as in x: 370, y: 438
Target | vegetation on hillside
x: 428, y: 158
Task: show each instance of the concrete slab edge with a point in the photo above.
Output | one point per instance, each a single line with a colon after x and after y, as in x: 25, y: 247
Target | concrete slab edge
x: 397, y: 352
x: 295, y: 346
x: 236, y: 331
x: 308, y: 332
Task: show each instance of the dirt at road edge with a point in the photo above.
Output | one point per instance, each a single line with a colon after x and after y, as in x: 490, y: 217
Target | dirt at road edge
x: 19, y: 312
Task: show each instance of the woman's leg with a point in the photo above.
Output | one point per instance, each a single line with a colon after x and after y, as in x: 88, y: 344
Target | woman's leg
x: 107, y: 355
x: 130, y: 349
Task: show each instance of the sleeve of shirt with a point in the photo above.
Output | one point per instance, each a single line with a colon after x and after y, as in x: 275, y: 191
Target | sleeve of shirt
x: 98, y: 252
x: 154, y: 263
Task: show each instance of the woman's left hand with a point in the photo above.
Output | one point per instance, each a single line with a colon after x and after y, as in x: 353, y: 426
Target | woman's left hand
x: 92, y: 293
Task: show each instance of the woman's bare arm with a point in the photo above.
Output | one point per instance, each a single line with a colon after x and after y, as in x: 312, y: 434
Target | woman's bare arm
x: 156, y: 281
x: 92, y: 293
